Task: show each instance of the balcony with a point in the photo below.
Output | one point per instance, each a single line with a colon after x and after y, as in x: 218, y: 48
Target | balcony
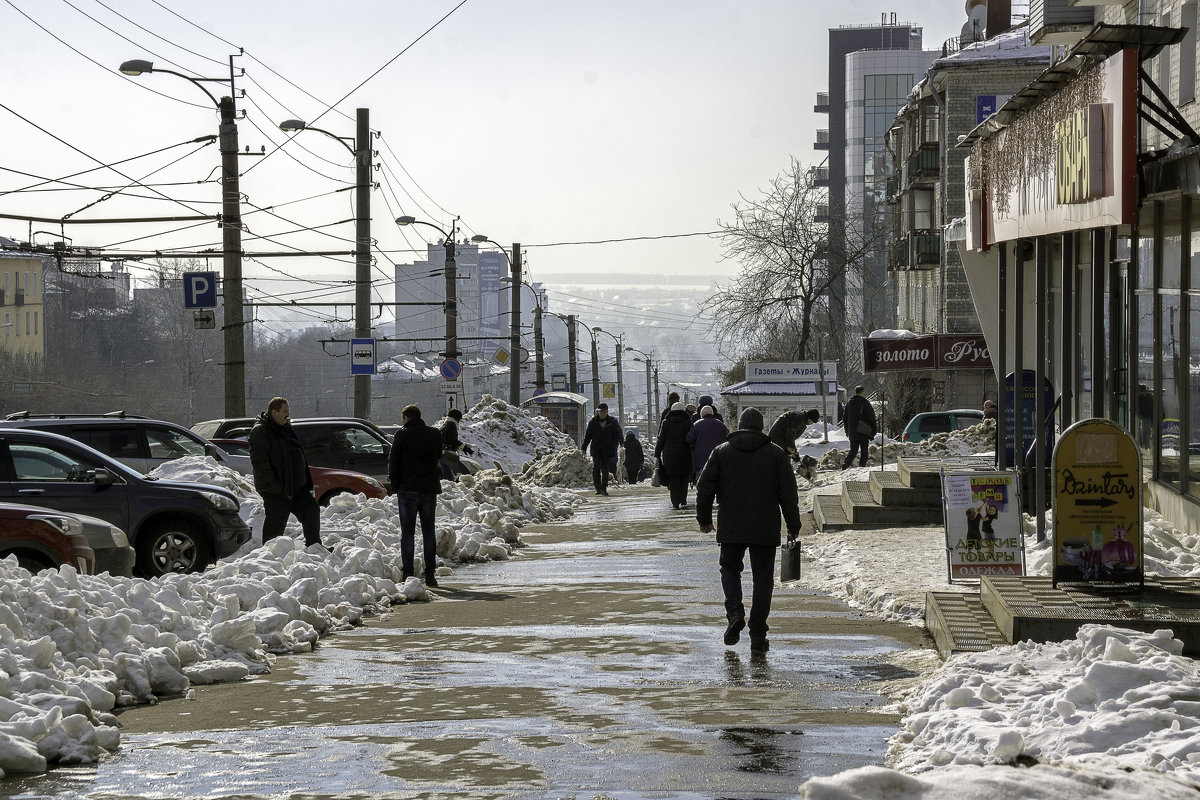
x: 822, y: 142
x: 927, y: 248
x: 893, y: 189
x: 898, y: 254
x: 819, y: 176
x: 822, y: 106
x: 925, y: 162
x: 821, y: 213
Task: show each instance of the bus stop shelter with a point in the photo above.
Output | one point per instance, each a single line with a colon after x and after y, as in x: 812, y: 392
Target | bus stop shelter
x: 567, y: 411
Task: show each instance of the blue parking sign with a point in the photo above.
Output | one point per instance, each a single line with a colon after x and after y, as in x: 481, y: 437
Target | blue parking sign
x: 199, y: 290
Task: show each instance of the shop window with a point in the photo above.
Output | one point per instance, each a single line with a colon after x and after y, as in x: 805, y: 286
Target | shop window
x: 1174, y: 378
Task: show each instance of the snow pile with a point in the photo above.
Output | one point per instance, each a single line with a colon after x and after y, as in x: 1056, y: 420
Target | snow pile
x: 74, y: 647
x: 975, y: 439
x: 567, y: 467
x: 1128, y: 697
x: 510, y: 436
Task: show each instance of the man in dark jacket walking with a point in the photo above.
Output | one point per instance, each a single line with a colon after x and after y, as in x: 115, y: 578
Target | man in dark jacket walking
x: 675, y: 454
x: 859, y: 422
x: 603, y: 435
x: 753, y: 480
x: 415, y: 474
x: 281, y: 474
x: 706, y: 400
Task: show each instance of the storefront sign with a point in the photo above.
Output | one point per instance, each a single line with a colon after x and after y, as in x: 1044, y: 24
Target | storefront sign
x: 790, y: 371
x: 983, y: 524
x: 1097, y: 505
x: 933, y: 351
x: 1079, y: 155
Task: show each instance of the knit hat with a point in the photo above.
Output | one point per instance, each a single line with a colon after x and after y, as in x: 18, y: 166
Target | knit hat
x: 679, y: 407
x: 706, y: 411
x: 751, y: 420
x: 602, y: 407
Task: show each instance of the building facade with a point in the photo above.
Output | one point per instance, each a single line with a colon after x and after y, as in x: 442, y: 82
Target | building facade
x: 22, y: 315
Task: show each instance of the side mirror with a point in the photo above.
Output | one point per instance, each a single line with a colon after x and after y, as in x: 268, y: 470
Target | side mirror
x: 102, y: 477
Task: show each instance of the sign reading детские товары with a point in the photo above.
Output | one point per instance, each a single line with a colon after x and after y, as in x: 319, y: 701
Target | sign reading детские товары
x: 983, y: 524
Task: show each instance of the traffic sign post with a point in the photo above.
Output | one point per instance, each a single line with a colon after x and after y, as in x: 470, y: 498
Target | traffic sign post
x: 362, y: 356
x: 537, y: 394
x: 451, y: 369
x: 199, y: 290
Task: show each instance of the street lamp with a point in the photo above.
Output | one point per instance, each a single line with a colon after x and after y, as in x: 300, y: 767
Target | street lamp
x: 451, y: 282
x: 514, y: 334
x: 620, y: 389
x: 360, y: 148
x: 231, y: 235
x: 646, y: 358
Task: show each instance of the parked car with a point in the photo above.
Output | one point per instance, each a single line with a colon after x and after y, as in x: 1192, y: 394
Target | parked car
x: 173, y: 526
x: 345, y: 443
x: 44, y: 539
x: 927, y: 423
x: 327, y: 483
x: 136, y: 442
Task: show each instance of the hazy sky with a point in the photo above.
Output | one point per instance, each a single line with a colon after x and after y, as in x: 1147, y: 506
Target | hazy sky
x: 540, y: 121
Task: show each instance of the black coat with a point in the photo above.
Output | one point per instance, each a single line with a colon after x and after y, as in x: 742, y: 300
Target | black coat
x: 271, y: 449
x: 786, y: 429
x: 603, y: 438
x: 416, y: 451
x: 858, y: 408
x: 754, y: 480
x: 672, y: 446
x: 634, y: 456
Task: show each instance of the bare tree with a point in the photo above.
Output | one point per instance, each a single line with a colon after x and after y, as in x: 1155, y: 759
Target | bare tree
x: 793, y: 281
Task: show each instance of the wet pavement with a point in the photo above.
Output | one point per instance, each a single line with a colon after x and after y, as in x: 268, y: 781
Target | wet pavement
x: 591, y: 665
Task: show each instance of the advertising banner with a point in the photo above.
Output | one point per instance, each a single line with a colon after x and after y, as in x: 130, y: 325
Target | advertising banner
x: 982, y: 518
x: 931, y: 351
x: 1097, y: 505
x: 491, y: 267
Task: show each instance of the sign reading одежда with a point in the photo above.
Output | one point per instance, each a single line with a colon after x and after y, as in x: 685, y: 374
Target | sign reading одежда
x: 982, y: 517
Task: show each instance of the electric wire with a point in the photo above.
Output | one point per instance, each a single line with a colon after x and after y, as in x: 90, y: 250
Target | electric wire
x: 119, y: 35
x: 157, y: 36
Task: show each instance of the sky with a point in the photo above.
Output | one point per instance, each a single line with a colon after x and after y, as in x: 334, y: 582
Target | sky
x: 628, y: 124
x: 1109, y: 708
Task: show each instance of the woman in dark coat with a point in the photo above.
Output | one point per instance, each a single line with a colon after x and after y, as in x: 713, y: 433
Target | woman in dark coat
x: 676, y: 454
x: 633, y: 457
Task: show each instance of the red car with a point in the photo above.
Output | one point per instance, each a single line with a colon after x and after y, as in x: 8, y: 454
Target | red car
x: 327, y: 482
x: 44, y: 539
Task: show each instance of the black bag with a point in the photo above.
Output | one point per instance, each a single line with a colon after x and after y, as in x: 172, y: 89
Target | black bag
x: 789, y: 561
x: 864, y: 428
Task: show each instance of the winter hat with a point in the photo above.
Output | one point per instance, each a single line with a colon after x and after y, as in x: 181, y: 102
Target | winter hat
x: 679, y: 407
x: 988, y: 404
x: 705, y: 400
x: 706, y: 410
x: 602, y: 407
x: 751, y: 420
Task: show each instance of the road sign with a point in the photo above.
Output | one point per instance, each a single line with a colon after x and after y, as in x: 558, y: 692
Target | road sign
x: 451, y: 368
x: 199, y: 290
x: 501, y: 356
x: 524, y: 354
x: 558, y: 382
x: 362, y: 356
x: 205, y: 318
x: 537, y: 395
x: 608, y: 391
x: 450, y: 387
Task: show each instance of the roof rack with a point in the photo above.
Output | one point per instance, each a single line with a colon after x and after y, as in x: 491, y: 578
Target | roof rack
x: 105, y: 415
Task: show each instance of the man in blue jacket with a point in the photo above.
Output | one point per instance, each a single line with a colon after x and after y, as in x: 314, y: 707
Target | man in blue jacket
x: 415, y: 473
x: 753, y: 479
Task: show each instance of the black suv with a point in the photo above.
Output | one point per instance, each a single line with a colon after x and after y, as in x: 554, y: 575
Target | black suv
x: 333, y: 442
x: 174, y: 526
x: 137, y: 442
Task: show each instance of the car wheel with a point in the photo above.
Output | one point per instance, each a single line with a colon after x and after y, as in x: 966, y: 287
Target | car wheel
x: 172, y: 546
x: 32, y: 562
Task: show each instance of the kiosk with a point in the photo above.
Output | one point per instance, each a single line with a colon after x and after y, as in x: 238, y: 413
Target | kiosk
x: 566, y: 411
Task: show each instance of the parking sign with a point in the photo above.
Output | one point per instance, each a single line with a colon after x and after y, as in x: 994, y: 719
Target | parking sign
x: 199, y: 290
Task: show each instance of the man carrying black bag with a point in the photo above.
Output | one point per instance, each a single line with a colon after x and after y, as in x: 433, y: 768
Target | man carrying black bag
x: 753, y: 479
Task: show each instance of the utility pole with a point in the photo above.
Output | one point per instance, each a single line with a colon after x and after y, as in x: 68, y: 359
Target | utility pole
x: 231, y: 242
x: 539, y: 344
x: 620, y: 385
x: 451, y: 296
x: 571, y: 356
x: 649, y: 407
x: 657, y: 396
x: 362, y: 255
x: 514, y: 336
x: 595, y: 374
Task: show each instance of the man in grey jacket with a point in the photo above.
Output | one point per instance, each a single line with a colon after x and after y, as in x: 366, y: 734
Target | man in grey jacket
x: 754, y: 481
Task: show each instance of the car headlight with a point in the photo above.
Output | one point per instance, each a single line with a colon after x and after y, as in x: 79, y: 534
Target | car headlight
x: 68, y: 525
x: 222, y: 502
x: 374, y: 484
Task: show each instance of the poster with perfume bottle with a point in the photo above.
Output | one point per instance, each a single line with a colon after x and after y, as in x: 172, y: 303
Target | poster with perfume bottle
x: 1097, y: 505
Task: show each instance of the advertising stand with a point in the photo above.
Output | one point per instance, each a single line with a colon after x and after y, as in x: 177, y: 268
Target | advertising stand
x: 982, y: 516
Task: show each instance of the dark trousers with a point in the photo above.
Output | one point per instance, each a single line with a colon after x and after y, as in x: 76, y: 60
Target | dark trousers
x: 678, y: 484
x: 762, y: 569
x: 857, y: 443
x: 452, y: 467
x: 600, y: 473
x: 413, y: 505
x: 276, y: 510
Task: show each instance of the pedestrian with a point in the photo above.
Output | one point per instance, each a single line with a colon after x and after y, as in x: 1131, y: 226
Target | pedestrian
x: 634, y: 457
x: 704, y: 437
x: 860, y: 426
x: 789, y: 426
x: 675, y: 454
x: 989, y: 409
x: 603, y: 437
x: 451, y: 461
x: 672, y: 399
x: 752, y: 480
x: 414, y: 471
x: 281, y: 474
x: 706, y: 400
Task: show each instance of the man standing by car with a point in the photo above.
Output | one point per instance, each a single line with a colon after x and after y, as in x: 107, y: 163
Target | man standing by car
x: 281, y: 474
x: 603, y: 436
x: 414, y: 473
x: 859, y: 421
x: 753, y: 480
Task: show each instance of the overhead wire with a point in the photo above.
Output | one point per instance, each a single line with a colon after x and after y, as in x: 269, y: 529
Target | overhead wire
x: 157, y: 36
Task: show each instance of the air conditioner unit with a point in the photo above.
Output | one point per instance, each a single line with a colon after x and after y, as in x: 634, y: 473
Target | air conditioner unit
x: 1058, y: 22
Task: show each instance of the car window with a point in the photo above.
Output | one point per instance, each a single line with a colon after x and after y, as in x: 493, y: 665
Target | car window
x: 170, y: 443
x: 356, y: 440
x: 315, y: 439
x: 35, y: 462
x: 118, y: 441
x: 934, y: 423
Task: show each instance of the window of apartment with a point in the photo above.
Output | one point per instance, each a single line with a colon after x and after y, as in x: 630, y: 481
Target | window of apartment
x: 1187, y: 54
x: 35, y: 323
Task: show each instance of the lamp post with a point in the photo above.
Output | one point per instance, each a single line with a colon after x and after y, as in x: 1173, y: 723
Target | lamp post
x: 451, y: 282
x: 620, y: 389
x: 646, y: 358
x: 514, y: 335
x: 233, y: 324
x: 360, y: 148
